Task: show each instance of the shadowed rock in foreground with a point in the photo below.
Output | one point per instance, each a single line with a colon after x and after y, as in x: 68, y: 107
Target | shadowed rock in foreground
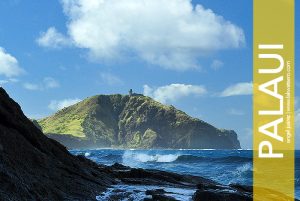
x: 34, y: 167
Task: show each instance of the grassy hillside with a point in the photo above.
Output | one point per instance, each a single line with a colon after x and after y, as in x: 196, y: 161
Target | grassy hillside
x: 134, y: 122
x: 69, y: 120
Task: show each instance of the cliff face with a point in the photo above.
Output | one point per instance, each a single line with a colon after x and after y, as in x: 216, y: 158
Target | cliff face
x: 34, y: 167
x: 133, y: 122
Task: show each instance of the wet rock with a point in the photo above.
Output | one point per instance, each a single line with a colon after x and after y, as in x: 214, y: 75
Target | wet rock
x: 138, y: 176
x: 162, y: 197
x: 220, y: 193
x: 156, y: 191
x: 119, y: 166
x: 234, y: 192
x: 158, y: 195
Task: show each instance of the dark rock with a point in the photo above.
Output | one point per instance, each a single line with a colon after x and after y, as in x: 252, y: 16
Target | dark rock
x: 36, y: 123
x: 159, y: 195
x: 220, y: 193
x: 156, y: 191
x: 243, y: 188
x: 162, y: 197
x: 234, y: 192
x: 119, y: 166
x: 34, y: 167
x: 137, y: 176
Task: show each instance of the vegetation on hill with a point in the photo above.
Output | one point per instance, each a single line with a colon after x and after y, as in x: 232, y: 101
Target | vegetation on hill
x: 134, y: 121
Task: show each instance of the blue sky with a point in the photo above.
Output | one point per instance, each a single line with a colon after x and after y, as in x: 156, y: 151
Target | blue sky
x: 64, y: 52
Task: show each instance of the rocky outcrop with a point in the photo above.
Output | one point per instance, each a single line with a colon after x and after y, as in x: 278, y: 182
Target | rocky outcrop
x: 223, y: 193
x: 235, y: 192
x: 133, y: 122
x: 34, y: 167
x: 205, y: 189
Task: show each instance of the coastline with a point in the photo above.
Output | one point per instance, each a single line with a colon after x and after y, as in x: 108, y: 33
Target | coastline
x: 35, y: 167
x: 236, y: 167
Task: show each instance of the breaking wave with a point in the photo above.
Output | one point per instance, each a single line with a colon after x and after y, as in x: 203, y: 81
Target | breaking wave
x: 143, y: 158
x: 177, y: 158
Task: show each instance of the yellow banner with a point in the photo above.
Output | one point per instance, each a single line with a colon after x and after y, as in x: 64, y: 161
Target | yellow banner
x: 273, y: 100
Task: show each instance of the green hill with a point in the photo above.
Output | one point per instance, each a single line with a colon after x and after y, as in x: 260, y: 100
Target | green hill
x: 134, y: 121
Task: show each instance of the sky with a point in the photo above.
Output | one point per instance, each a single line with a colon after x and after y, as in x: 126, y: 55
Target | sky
x: 195, y: 55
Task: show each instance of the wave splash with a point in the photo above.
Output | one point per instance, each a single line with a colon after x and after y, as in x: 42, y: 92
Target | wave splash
x: 130, y: 156
x: 133, y: 157
x: 239, y: 174
x: 243, y: 170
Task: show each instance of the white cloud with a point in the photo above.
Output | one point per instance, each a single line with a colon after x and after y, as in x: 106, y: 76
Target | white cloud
x: 173, y: 92
x: 8, y: 81
x: 50, y: 82
x: 172, y: 34
x: 216, y: 64
x: 111, y: 79
x: 31, y: 86
x: 243, y: 88
x: 58, y: 105
x: 9, y: 65
x: 148, y: 91
x: 14, y: 80
x: 53, y: 39
x: 233, y: 111
x: 3, y: 82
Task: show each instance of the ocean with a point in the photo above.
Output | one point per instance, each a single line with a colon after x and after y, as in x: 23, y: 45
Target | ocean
x: 223, y: 166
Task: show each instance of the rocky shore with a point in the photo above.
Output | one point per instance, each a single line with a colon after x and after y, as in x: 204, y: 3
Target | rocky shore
x: 35, y: 167
x: 205, y: 189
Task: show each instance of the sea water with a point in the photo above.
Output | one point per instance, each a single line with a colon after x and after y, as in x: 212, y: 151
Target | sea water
x: 223, y: 166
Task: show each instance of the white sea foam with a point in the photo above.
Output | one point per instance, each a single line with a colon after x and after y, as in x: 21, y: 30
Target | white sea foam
x: 132, y: 157
x: 244, y: 168
x: 125, y: 193
x: 240, y: 174
x: 137, y: 193
x: 87, y: 154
